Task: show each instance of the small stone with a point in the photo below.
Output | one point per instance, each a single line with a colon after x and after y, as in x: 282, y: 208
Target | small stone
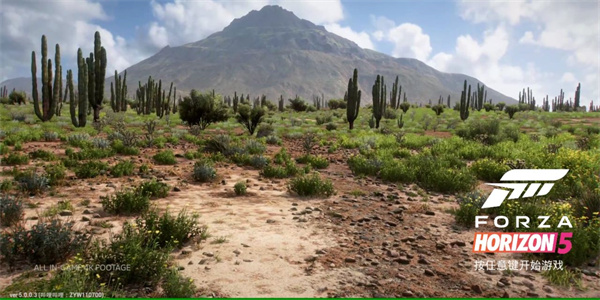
x: 33, y: 218
x: 350, y: 260
x: 429, y: 273
x: 87, y: 212
x: 422, y: 260
x: 176, y: 189
x: 505, y: 295
x: 458, y: 243
x: 207, y: 268
x: 270, y: 221
x: 190, y: 263
x: 209, y: 254
x: 237, y: 252
x: 430, y: 213
x: 547, y: 289
x: 311, y: 258
x: 248, y: 260
x: 408, y: 293
x: 321, y: 252
x: 476, y: 288
x: 500, y: 284
x: 532, y: 294
x: 245, y: 245
x: 186, y: 250
x: 180, y: 268
x: 97, y: 216
x: 85, y: 219
x: 492, y: 272
x: 332, y: 265
x: 403, y: 260
x: 202, y: 261
x: 400, y: 276
x: 65, y: 213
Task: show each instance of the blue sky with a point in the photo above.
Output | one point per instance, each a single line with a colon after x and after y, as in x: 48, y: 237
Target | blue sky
x: 509, y: 45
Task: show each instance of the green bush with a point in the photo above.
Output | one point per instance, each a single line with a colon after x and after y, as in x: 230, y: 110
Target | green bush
x: 153, y: 189
x: 120, y: 148
x: 6, y: 185
x: 397, y: 172
x: 240, y: 188
x: 55, y: 173
x: 123, y: 168
x: 177, y: 286
x: 311, y: 185
x: 330, y: 126
x: 324, y: 119
x: 45, y: 243
x: 359, y: 165
x: 258, y: 161
x: 204, y: 172
x: 440, y: 175
x: 43, y: 155
x: 165, y: 158
x: 30, y: 181
x: 125, y: 202
x: 469, y: 207
x: 202, y: 109
x: 11, y: 210
x: 14, y: 159
x: 488, y: 170
x: 317, y: 162
x: 255, y: 147
x: 168, y: 230
x: 91, y: 169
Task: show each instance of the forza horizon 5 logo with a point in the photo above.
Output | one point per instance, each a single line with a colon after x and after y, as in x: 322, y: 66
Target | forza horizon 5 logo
x: 529, y: 242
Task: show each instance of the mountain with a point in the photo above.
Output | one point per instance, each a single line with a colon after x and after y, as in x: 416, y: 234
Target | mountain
x: 273, y: 52
x: 20, y: 84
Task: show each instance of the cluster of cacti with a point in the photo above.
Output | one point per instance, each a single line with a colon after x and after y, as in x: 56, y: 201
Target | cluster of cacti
x: 151, y: 98
x: 352, y: 99
x: 379, y: 99
x: 479, y: 97
x: 577, y: 96
x: 465, y: 100
x: 96, y: 64
x: 594, y: 108
x: 236, y: 102
x: 51, y: 92
x: 79, y: 118
x: 118, y: 93
x: 545, y: 104
x: 319, y: 102
x: 281, y: 103
x: 395, y: 94
x: 527, y: 98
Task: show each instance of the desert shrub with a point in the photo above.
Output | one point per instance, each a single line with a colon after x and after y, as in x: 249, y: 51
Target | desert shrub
x: 13, y: 159
x: 311, y: 185
x: 176, y: 286
x: 55, y: 173
x: 57, y: 208
x: 240, y: 188
x: 323, y: 119
x: 484, y: 131
x: 337, y: 103
x: 271, y: 171
x: 32, y: 182
x: 135, y: 247
x: 165, y: 158
x: 390, y: 114
x: 125, y: 202
x: 120, y: 148
x: 564, y: 277
x: 219, y: 143
x: 100, y: 143
x: 441, y: 175
x: 359, y: 165
x: 11, y: 210
x: 45, y: 243
x: 397, y: 172
x: 592, y: 130
x: 265, y: 130
x: 250, y: 118
x: 6, y: 185
x: 511, y: 110
x: 90, y: 169
x: 330, y: 126
x: 90, y: 153
x: 297, y: 104
x: 43, y: 155
x: 122, y: 168
x: 80, y: 140
x: 204, y: 172
x: 258, y: 161
x: 202, y: 109
x: 169, y: 230
x: 3, y: 149
x: 488, y: 170
x: 317, y: 162
x: 273, y: 140
x: 469, y: 206
x: 255, y: 147
x: 153, y: 189
x: 50, y: 136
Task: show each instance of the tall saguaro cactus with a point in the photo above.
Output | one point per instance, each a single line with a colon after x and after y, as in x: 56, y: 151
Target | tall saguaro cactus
x: 395, y: 95
x: 577, y: 97
x: 118, y: 92
x: 480, y: 96
x: 465, y: 99
x: 79, y: 118
x: 50, y: 94
x: 379, y: 99
x: 96, y: 72
x: 353, y: 99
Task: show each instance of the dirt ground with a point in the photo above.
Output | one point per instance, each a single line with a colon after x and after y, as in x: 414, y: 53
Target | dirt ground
x: 369, y: 240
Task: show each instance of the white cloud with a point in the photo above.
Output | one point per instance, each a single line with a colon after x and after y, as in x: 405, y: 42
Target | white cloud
x: 408, y: 39
x: 568, y: 77
x: 362, y: 39
x: 569, y: 26
x: 67, y: 23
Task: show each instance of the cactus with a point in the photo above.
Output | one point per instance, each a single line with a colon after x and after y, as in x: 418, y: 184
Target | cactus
x: 465, y: 99
x: 118, y: 93
x: 353, y: 99
x: 96, y: 63
x: 236, y: 101
x: 400, y: 121
x: 281, y: 103
x: 395, y: 95
x: 79, y: 119
x: 319, y: 102
x: 50, y: 94
x: 480, y: 97
x: 151, y: 98
x: 577, y: 97
x: 379, y: 98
